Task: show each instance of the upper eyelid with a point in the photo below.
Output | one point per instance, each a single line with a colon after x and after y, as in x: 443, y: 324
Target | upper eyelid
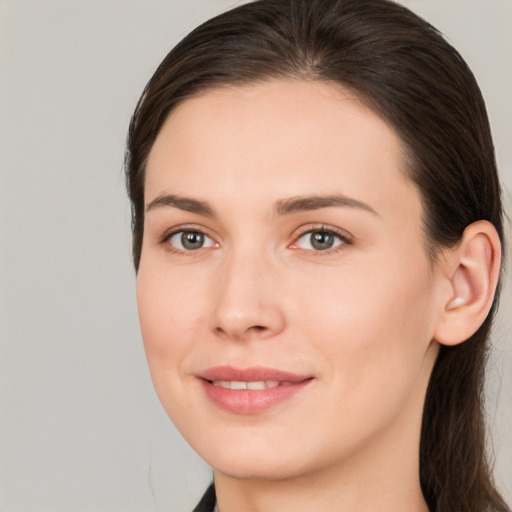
x: 186, y: 227
x: 304, y: 230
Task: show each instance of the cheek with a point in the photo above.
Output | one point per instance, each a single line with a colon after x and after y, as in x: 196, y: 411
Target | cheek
x: 170, y: 305
x: 170, y: 321
x: 170, y: 316
x: 373, y: 326
x: 367, y: 298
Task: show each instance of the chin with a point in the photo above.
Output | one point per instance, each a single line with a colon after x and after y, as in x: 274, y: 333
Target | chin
x: 246, y: 460
x: 263, y: 470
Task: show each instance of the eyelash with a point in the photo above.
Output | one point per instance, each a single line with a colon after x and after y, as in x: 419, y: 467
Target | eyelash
x: 167, y: 236
x: 344, y: 239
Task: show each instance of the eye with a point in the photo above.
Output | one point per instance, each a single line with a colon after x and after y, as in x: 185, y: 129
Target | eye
x: 319, y: 240
x: 190, y: 240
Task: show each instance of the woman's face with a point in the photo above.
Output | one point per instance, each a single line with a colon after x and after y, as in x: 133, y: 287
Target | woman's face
x: 286, y: 299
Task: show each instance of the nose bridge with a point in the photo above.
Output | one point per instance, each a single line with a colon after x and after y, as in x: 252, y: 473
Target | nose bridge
x: 246, y: 303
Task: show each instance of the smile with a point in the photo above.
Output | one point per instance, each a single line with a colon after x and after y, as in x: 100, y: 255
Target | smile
x: 252, y: 390
x: 254, y: 385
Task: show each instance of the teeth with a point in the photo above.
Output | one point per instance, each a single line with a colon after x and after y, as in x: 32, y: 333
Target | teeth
x: 255, y: 385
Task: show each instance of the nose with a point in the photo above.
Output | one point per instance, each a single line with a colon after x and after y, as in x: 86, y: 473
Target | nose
x: 247, y: 303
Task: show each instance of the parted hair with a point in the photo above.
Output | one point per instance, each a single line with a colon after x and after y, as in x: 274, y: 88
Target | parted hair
x: 402, y: 68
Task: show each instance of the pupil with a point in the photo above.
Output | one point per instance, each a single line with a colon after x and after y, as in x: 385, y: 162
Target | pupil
x: 191, y: 240
x: 322, y: 240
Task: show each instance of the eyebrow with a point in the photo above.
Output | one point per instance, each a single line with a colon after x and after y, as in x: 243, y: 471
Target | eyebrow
x: 282, y: 207
x: 182, y: 203
x: 307, y: 203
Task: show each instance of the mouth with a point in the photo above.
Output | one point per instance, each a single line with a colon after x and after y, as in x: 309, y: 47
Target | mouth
x: 253, y: 385
x: 251, y: 390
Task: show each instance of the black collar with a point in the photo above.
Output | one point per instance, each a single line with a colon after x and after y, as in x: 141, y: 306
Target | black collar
x: 208, y: 501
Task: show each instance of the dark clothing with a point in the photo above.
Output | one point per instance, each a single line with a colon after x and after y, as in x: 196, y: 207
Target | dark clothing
x: 207, y: 502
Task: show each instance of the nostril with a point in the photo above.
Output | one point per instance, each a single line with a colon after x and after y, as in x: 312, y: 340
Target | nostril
x: 243, y: 332
x: 248, y: 320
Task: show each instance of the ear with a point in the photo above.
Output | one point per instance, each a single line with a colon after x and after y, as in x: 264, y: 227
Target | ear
x: 471, y: 271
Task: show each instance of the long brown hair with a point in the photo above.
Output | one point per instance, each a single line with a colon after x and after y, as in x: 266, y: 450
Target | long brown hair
x: 403, y: 69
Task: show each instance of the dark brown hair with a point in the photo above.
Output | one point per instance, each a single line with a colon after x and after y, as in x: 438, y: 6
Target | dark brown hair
x: 404, y: 70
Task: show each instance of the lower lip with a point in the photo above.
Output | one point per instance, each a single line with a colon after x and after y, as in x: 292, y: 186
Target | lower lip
x: 249, y: 401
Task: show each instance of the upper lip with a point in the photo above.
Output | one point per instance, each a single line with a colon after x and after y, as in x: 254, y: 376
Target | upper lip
x: 253, y: 374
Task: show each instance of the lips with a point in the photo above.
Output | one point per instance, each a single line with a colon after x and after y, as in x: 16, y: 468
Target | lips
x: 250, y: 390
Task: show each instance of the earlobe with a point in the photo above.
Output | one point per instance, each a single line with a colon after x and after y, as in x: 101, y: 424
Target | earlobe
x: 472, y: 271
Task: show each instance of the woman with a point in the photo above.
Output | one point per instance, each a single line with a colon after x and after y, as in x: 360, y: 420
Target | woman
x: 317, y: 230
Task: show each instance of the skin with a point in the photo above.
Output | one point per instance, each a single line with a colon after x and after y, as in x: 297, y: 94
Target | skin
x: 360, y: 318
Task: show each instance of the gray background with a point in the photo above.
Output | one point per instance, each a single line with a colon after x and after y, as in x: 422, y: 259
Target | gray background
x: 80, y: 425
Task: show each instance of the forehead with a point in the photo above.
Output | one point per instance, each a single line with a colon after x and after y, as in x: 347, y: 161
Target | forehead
x: 278, y: 139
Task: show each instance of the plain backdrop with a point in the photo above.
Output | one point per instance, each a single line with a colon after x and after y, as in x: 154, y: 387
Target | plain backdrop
x: 80, y: 426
